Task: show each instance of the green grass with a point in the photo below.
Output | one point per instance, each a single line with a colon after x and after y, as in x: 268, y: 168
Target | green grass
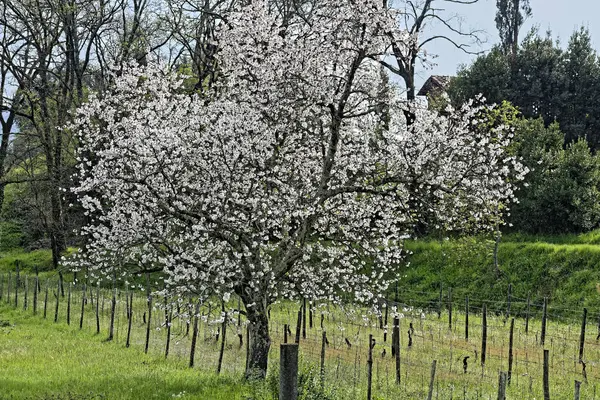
x: 43, y: 360
x: 42, y: 259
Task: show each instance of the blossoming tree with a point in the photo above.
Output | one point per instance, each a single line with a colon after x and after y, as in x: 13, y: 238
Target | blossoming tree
x: 286, y: 179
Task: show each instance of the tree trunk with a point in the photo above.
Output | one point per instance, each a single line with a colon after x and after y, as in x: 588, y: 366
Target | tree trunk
x: 260, y: 342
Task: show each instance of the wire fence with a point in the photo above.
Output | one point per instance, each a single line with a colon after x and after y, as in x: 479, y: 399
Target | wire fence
x: 450, y: 331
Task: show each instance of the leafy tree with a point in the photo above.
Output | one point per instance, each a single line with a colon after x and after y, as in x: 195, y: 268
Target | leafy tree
x: 509, y: 19
x: 561, y: 193
x: 281, y: 182
x: 542, y: 81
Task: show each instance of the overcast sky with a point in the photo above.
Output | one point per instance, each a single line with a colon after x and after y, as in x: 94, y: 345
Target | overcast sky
x: 562, y: 17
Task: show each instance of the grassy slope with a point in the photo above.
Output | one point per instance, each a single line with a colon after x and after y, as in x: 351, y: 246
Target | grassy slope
x: 566, y: 269
x: 42, y: 360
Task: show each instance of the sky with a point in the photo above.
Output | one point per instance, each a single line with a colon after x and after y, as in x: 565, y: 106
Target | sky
x: 562, y: 17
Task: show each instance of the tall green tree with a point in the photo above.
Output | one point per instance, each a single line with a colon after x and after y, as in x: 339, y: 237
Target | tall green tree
x: 543, y: 80
x: 509, y: 19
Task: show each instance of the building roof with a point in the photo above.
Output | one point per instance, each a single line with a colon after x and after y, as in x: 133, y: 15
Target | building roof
x: 435, y: 85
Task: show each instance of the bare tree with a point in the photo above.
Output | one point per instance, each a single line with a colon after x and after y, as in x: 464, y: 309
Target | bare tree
x: 415, y: 16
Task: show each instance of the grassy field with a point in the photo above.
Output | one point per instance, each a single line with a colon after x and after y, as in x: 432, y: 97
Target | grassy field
x: 43, y: 360
x: 40, y: 359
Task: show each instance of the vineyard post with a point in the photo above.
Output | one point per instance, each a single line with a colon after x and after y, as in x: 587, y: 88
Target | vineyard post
x: 83, y: 301
x: 35, y: 294
x: 508, y: 298
x: 483, y: 335
x: 8, y: 288
x: 304, y: 318
x: 385, y: 321
x: 46, y: 298
x: 113, y: 305
x: 224, y: 330
x: 577, y: 389
x: 310, y: 314
x: 26, y: 293
x: 544, y: 317
x: 502, y: 385
x: 370, y: 369
x: 129, y: 318
x: 57, y: 301
x: 467, y: 318
x: 396, y: 346
x: 527, y: 314
x: 149, y: 303
x: 450, y: 308
x: 69, y: 304
x: 322, y: 319
x: 298, y: 325
x: 194, y: 334
x: 582, y: 335
x: 323, y: 343
x: 169, y: 322
x: 431, y: 380
x: 288, y: 371
x: 439, y: 313
x: 546, y: 372
x: 97, y: 308
x: 17, y: 285
x: 510, y: 349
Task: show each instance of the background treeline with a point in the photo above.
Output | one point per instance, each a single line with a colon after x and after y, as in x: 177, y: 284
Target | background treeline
x: 551, y: 96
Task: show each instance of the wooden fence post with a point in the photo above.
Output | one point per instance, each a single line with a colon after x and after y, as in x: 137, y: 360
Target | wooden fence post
x: 288, y: 371
x: 546, y: 372
x: 431, y: 380
x: 508, y: 299
x: 396, y: 346
x: 577, y: 389
x: 450, y: 308
x: 370, y: 369
x: 467, y: 318
x: 298, y: 325
x: 113, y: 306
x: 8, y: 288
x: 323, y: 343
x: 224, y: 331
x: 510, y: 350
x: 439, y: 311
x: 35, y: 294
x: 169, y: 322
x: 129, y: 318
x: 17, y: 282
x: 483, y: 335
x: 46, y: 298
x: 98, y: 308
x: 502, y: 386
x: 304, y: 318
x: 195, y: 333
x: 57, y: 301
x: 149, y: 303
x: 544, y: 316
x: 527, y: 314
x: 582, y: 335
x: 69, y: 304
x: 385, y: 321
x: 83, y: 301
x: 25, y: 298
